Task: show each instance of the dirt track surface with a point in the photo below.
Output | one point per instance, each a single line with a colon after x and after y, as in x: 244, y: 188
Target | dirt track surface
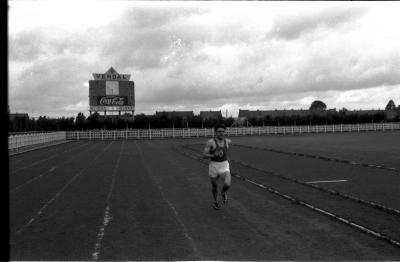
x: 143, y: 200
x: 364, y: 147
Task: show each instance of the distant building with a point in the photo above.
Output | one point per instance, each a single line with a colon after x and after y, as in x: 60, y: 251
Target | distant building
x: 210, y: 115
x: 245, y: 115
x: 258, y: 114
x: 171, y: 114
x: 13, y: 116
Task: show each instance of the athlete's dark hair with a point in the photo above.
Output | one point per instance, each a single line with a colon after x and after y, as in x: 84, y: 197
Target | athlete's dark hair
x: 220, y: 125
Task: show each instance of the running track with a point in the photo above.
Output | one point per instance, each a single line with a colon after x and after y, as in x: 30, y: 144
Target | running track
x: 143, y: 200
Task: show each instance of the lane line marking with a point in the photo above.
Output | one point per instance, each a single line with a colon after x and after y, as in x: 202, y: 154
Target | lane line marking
x: 33, y: 179
x: 42, y: 160
x: 47, y: 172
x: 100, y: 234
x: 44, y: 151
x: 171, y: 206
x: 44, y: 207
x: 327, y: 181
x: 107, y: 214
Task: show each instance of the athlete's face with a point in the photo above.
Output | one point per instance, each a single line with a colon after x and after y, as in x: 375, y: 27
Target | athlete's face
x: 220, y: 132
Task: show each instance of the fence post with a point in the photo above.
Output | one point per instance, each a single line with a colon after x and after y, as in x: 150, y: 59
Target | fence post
x: 77, y: 135
x: 114, y: 135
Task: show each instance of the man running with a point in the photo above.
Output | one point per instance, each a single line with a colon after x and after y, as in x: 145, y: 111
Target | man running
x: 216, y: 149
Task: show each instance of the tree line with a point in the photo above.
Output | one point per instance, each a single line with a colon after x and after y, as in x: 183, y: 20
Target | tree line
x: 96, y: 121
x: 142, y: 121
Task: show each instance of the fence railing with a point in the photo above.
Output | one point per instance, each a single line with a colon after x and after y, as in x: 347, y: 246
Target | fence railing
x: 18, y: 142
x: 231, y: 131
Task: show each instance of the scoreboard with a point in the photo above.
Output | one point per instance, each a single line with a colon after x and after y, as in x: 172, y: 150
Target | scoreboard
x: 111, y: 92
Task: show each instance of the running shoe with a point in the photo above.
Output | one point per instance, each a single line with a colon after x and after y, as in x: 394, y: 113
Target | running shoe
x: 216, y: 206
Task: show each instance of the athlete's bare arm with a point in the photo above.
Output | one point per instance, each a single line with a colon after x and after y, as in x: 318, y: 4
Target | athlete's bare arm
x: 228, y: 142
x: 209, y: 146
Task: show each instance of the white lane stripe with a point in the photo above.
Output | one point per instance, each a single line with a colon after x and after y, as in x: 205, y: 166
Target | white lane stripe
x: 41, y: 211
x: 326, y: 181
x: 42, y: 160
x: 37, y: 154
x: 44, y: 207
x: 100, y: 233
x: 33, y: 179
x: 48, y: 171
x: 176, y: 215
x: 107, y: 214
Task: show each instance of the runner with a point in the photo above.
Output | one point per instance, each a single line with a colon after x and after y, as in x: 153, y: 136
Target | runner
x: 216, y: 150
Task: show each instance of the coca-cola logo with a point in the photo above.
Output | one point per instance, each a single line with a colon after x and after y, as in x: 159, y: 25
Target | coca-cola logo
x: 112, y: 101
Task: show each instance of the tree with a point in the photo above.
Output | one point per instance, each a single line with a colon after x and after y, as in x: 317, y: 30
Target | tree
x: 80, y: 120
x: 94, y: 121
x: 318, y: 105
x: 390, y: 105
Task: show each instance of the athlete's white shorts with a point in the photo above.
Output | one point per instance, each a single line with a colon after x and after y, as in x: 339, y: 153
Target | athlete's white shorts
x: 218, y: 168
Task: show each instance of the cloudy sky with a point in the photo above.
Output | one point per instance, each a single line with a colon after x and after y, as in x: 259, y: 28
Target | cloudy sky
x: 204, y: 55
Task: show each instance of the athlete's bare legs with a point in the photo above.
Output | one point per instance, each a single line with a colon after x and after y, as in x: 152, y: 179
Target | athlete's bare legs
x: 226, y: 177
x: 214, y: 187
x: 227, y: 185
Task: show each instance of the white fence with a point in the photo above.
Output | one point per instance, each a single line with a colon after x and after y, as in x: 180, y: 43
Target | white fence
x: 232, y: 131
x: 22, y: 142
x: 18, y: 142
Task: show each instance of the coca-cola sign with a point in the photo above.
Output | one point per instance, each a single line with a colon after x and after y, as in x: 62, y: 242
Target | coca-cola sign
x: 112, y: 100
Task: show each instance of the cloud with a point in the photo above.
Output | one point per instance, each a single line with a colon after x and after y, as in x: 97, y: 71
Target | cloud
x: 81, y: 106
x: 294, y: 26
x: 201, y: 56
x: 49, y: 85
x: 40, y: 43
x: 145, y: 34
